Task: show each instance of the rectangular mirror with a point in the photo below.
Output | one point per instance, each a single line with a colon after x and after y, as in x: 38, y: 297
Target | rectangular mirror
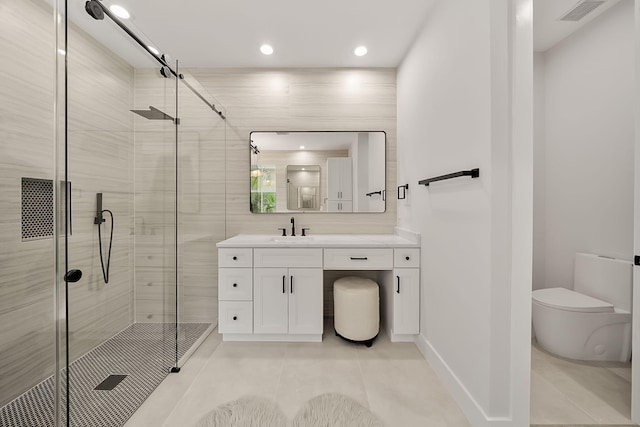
x: 317, y: 172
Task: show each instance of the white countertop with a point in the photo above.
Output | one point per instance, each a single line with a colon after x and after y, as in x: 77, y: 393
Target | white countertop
x: 319, y: 241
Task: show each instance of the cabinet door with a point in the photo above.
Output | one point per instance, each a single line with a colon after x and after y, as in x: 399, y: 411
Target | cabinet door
x: 346, y: 180
x: 270, y: 300
x: 305, y: 301
x: 333, y: 205
x: 339, y: 206
x: 406, y: 301
x: 339, y: 180
x: 333, y: 178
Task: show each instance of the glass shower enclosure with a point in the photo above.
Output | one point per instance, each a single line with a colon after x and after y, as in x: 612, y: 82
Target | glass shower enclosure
x: 108, y: 215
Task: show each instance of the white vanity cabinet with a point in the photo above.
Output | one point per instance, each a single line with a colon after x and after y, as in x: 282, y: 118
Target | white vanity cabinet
x: 271, y: 289
x: 287, y: 301
x: 271, y: 294
x: 400, y: 295
x: 339, y: 184
x: 406, y: 302
x: 235, y: 291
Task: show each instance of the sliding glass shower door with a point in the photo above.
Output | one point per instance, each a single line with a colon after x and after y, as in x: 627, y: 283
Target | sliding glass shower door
x: 118, y: 163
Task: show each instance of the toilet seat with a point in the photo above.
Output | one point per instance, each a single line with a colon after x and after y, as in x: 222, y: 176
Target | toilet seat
x: 568, y: 300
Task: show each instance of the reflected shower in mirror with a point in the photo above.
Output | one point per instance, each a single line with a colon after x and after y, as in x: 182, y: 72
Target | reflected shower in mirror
x: 328, y: 172
x: 303, y: 187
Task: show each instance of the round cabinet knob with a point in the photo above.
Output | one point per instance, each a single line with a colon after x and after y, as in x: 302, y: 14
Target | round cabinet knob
x: 235, y: 317
x: 235, y: 285
x: 235, y: 258
x: 407, y: 258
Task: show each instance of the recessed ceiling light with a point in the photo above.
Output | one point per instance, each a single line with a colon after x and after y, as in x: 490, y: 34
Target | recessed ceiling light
x: 360, y: 51
x: 302, y: 147
x: 119, y: 11
x: 154, y: 50
x: 302, y: 168
x: 266, y: 49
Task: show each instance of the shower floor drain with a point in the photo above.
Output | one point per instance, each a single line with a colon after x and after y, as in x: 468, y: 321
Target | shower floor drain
x: 110, y: 382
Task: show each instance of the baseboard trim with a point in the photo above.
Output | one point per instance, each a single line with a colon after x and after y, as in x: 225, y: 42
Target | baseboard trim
x: 469, y: 406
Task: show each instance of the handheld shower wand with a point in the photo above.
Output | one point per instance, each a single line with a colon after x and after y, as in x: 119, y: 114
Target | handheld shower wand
x: 98, y: 220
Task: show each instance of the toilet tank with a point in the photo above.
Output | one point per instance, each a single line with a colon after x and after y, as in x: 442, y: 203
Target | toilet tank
x: 608, y: 279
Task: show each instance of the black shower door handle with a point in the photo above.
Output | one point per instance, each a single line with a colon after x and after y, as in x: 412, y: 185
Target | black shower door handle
x: 73, y: 276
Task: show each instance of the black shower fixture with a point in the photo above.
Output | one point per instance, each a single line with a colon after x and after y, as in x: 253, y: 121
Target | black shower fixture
x: 153, y: 114
x: 165, y: 72
x: 98, y: 220
x: 94, y: 8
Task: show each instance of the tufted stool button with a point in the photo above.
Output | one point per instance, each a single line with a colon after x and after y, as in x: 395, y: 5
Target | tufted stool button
x: 407, y: 258
x: 235, y: 258
x: 235, y: 285
x: 235, y: 317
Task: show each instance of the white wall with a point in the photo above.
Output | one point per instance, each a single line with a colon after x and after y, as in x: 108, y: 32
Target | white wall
x: 455, y: 101
x: 586, y: 203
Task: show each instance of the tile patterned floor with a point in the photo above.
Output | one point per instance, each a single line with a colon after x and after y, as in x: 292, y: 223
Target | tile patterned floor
x: 143, y: 352
x: 392, y: 379
x: 567, y: 392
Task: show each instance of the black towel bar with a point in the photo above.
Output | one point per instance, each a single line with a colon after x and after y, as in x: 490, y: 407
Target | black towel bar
x: 473, y: 173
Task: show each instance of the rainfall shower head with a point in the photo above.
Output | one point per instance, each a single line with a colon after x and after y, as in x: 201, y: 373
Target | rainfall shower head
x: 153, y: 114
x: 94, y: 8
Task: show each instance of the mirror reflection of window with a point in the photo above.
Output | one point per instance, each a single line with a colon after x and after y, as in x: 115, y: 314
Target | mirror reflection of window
x: 263, y: 188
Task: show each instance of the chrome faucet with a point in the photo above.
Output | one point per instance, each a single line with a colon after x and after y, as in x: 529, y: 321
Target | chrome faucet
x: 293, y: 227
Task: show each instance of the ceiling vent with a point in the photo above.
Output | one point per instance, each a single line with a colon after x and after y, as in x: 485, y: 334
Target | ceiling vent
x: 581, y: 10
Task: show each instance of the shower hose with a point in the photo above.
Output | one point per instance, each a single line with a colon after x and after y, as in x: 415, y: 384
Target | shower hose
x: 105, y: 271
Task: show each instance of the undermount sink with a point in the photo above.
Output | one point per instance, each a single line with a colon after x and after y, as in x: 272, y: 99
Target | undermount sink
x: 291, y: 239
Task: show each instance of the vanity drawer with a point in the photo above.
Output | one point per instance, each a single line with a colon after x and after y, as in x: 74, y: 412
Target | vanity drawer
x: 406, y: 257
x: 235, y: 257
x: 235, y: 284
x: 287, y: 257
x: 358, y: 259
x: 235, y: 317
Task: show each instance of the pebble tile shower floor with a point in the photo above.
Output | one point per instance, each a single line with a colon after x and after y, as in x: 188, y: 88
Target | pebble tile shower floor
x: 142, y: 352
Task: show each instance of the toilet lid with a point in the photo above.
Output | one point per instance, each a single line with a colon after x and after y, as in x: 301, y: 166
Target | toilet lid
x: 566, y: 299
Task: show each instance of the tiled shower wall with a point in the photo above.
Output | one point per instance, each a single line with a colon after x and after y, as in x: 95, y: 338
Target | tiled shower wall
x: 26, y: 148
x: 100, y: 143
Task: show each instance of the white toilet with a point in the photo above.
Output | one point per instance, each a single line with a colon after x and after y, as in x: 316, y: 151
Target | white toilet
x: 592, y: 321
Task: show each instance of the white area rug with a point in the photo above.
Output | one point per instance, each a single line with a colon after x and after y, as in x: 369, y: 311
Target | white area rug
x: 326, y: 410
x: 249, y: 411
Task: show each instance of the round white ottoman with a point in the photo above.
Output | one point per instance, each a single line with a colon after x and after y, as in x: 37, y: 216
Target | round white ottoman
x: 356, y: 309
